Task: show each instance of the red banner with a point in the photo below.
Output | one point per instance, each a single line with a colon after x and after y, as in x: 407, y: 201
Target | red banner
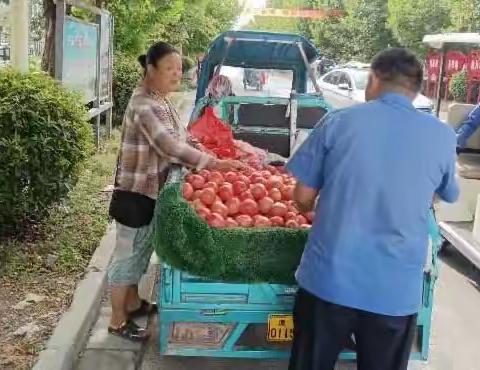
x: 473, y: 66
x: 454, y: 62
x: 433, y: 66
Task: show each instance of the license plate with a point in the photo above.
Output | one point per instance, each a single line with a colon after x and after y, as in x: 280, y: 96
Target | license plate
x: 280, y: 328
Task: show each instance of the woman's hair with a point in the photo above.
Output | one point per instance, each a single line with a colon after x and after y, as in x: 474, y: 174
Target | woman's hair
x: 155, y: 53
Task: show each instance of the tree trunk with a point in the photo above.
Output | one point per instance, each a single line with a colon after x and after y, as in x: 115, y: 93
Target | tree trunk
x: 48, y: 57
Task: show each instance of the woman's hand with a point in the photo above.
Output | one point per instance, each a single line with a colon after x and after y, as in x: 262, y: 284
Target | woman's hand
x: 226, y: 165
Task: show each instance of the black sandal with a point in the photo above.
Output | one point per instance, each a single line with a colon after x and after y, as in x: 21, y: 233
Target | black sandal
x: 131, y: 331
x: 145, y: 309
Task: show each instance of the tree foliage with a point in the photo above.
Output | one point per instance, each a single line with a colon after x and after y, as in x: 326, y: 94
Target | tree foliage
x: 465, y: 15
x: 369, y: 26
x: 410, y: 20
x: 188, y: 24
x: 358, y: 35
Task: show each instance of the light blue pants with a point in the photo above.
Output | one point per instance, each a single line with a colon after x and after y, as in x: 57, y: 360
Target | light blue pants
x: 134, y: 247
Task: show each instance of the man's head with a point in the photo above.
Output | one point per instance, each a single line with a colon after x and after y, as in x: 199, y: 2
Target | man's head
x: 394, y: 70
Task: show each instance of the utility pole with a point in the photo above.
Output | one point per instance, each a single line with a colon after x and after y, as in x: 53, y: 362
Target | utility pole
x: 19, y: 37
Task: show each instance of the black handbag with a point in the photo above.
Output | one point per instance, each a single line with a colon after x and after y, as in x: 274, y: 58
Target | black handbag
x: 130, y: 208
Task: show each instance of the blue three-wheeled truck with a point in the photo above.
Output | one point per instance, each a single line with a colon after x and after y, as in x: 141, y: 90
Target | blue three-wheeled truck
x: 200, y: 317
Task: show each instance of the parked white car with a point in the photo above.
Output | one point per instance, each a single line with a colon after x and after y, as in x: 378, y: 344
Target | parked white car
x: 346, y: 86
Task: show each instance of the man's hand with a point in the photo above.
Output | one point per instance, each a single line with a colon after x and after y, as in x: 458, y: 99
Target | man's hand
x: 305, y: 197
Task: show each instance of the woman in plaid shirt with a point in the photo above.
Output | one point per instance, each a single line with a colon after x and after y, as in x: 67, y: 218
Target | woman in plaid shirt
x: 153, y: 138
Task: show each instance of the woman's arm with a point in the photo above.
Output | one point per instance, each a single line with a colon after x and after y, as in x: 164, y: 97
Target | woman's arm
x: 171, y: 149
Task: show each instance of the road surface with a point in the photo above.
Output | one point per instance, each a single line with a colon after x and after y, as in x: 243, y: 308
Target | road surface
x: 279, y: 83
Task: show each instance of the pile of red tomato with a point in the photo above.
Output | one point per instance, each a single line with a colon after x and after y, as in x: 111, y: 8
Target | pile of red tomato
x: 247, y: 198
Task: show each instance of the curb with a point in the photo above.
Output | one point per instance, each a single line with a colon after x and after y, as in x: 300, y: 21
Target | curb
x: 72, y: 330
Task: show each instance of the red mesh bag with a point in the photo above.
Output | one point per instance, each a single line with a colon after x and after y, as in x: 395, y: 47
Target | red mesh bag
x: 214, y: 135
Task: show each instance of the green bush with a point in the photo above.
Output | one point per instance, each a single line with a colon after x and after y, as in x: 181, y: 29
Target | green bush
x: 126, y: 76
x: 458, y: 86
x: 44, y: 138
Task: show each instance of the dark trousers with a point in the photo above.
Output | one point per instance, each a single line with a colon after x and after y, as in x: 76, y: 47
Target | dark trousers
x: 323, y: 330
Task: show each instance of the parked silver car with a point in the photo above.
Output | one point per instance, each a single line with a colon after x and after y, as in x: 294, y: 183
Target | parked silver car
x: 343, y: 87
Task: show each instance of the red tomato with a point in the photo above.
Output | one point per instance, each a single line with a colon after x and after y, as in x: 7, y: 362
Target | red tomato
x: 310, y: 216
x: 274, y: 182
x: 266, y: 174
x: 239, y: 187
x: 248, y: 171
x: 244, y: 220
x: 188, y: 177
x: 208, y: 196
x: 196, y: 194
x: 212, y: 185
x: 219, y: 208
x: 277, y: 221
x: 231, y: 177
x: 233, y: 206
x: 261, y: 221
x: 286, y: 178
x: 265, y: 205
x: 244, y: 179
x: 248, y: 207
x: 258, y: 191
x: 197, y: 205
x: 290, y: 216
x: 292, y: 208
x: 278, y: 209
x: 258, y: 180
x: 300, y: 220
x: 225, y: 192
x: 216, y: 177
x: 197, y: 181
x: 273, y: 170
x: 246, y: 195
x: 292, y: 224
x: 287, y: 192
x: 275, y: 194
x: 230, y: 222
x: 204, y: 173
x: 187, y: 191
x: 216, y: 220
x: 203, y: 213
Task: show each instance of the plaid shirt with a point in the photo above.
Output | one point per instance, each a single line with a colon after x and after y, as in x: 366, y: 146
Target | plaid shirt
x: 152, y: 139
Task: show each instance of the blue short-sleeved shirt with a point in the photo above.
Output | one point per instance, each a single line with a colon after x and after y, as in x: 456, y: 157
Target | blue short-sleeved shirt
x: 377, y: 166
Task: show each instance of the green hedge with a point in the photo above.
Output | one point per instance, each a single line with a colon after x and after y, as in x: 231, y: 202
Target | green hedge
x: 126, y: 77
x: 44, y: 138
x: 458, y: 86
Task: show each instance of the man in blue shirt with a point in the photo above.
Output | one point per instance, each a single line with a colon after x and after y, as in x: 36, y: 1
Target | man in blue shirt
x: 376, y: 168
x: 468, y: 127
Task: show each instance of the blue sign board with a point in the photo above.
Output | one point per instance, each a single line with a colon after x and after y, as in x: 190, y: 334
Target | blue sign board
x: 80, y: 43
